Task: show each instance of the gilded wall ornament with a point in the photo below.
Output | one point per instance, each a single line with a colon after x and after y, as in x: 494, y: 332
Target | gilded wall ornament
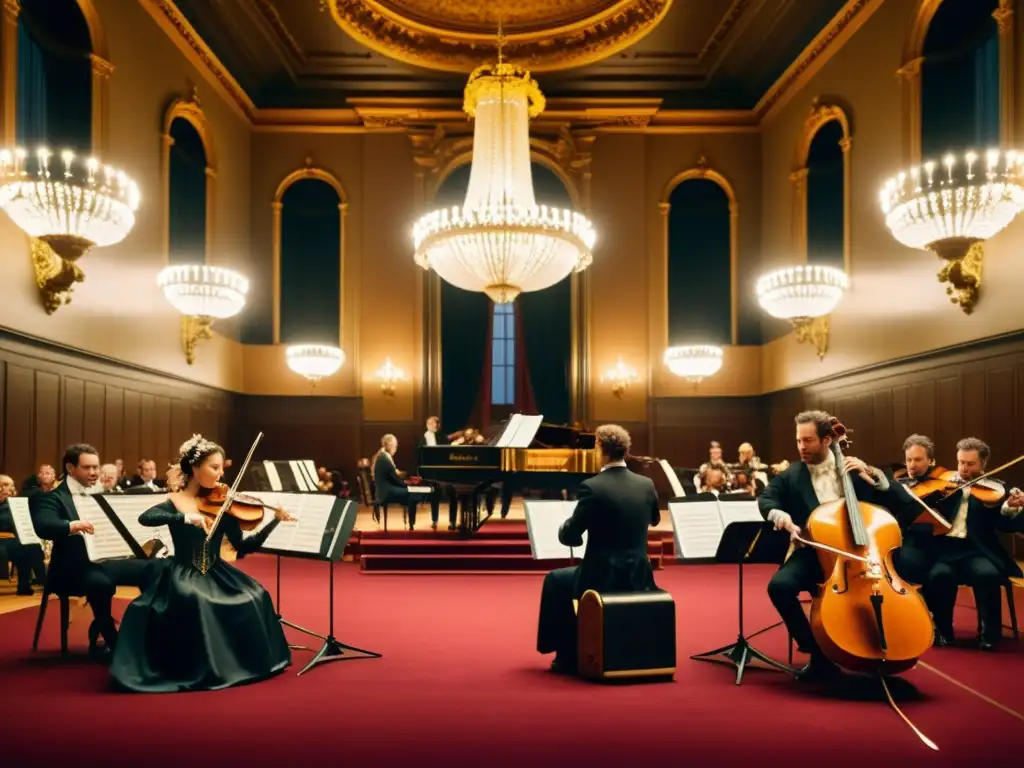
x: 458, y: 35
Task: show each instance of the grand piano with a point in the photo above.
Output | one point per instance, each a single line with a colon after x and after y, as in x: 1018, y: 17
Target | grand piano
x: 527, y: 452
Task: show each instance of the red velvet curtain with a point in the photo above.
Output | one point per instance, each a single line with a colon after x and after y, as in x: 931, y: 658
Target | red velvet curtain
x: 524, y: 389
x: 482, y: 411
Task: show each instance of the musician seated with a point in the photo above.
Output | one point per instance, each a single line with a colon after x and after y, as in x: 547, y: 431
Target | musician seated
x: 615, y: 509
x: 713, y: 479
x: 788, y: 502
x: 970, y: 552
x: 431, y: 437
x: 28, y: 559
x: 391, y: 486
x: 55, y: 518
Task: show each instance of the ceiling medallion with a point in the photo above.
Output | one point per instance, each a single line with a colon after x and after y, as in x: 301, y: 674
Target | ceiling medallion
x: 456, y: 35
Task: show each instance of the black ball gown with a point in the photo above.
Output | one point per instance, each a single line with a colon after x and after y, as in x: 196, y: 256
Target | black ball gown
x: 202, y: 624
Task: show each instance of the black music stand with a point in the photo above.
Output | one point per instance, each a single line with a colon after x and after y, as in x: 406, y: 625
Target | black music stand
x: 283, y: 620
x: 742, y: 543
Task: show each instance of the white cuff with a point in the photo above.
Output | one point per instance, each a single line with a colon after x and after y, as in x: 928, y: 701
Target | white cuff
x: 1010, y: 511
x: 774, y: 514
x: 881, y: 481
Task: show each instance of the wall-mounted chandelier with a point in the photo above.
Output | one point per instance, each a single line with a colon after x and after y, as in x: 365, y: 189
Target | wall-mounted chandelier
x: 694, y: 362
x: 805, y: 295
x: 202, y: 295
x: 951, y: 208
x: 68, y: 206
x: 500, y: 242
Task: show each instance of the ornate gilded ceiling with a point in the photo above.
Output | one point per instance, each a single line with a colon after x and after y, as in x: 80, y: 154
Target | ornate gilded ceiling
x: 458, y: 35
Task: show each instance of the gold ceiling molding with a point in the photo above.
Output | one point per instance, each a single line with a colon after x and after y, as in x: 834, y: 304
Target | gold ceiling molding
x: 457, y: 35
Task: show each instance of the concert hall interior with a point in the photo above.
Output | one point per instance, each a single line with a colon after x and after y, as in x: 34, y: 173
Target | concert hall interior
x: 410, y: 263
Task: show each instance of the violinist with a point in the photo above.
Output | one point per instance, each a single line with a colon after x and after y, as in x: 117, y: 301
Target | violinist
x: 789, y: 500
x: 201, y: 624
x: 970, y: 552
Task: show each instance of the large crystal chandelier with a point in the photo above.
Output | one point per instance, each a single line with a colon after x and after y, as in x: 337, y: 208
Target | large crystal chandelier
x: 694, y: 362
x: 314, y: 361
x: 68, y: 205
x: 805, y: 295
x: 500, y: 241
x: 951, y: 208
x: 202, y: 294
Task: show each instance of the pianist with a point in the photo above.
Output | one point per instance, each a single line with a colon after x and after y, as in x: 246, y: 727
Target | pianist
x: 615, y: 508
x: 391, y: 488
x: 433, y: 437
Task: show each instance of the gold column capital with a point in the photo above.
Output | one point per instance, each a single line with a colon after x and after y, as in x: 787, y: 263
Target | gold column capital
x: 911, y: 69
x: 1004, y: 18
x: 664, y: 208
x: 101, y: 66
x: 799, y: 177
x: 12, y: 9
x: 211, y: 173
x: 845, y: 144
x: 343, y: 207
x: 276, y: 207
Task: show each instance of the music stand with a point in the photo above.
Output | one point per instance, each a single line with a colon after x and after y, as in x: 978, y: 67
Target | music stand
x: 283, y: 620
x: 742, y: 543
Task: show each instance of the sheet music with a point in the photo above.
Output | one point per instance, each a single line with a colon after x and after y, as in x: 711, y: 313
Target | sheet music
x: 526, y: 431
x: 128, y: 508
x: 23, y: 528
x: 311, y: 472
x: 543, y: 519
x: 697, y: 526
x: 106, y: 543
x: 300, y: 478
x: 673, y: 480
x: 739, y: 512
x: 272, y: 476
x: 306, y: 532
x: 505, y: 439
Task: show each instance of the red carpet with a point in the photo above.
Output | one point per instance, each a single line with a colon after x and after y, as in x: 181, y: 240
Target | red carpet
x: 460, y: 684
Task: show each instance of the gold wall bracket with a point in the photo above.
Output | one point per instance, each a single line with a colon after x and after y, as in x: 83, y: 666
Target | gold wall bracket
x: 387, y: 389
x: 619, y: 389
x: 193, y: 330
x: 962, y: 273
x: 813, y: 331
x: 55, y: 276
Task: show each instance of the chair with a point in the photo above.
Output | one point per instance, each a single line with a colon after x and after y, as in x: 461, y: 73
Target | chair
x: 368, y: 495
x: 65, y: 619
x: 1014, y: 629
x: 626, y: 635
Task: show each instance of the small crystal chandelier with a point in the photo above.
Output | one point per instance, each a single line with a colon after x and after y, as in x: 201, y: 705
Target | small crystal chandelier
x: 694, y: 362
x: 389, y: 376
x: 805, y: 295
x: 953, y: 210
x: 315, y: 361
x: 201, y: 294
x: 500, y: 242
x: 620, y: 377
x: 67, y: 207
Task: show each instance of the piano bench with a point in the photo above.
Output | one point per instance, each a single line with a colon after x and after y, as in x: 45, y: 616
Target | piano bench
x: 626, y: 635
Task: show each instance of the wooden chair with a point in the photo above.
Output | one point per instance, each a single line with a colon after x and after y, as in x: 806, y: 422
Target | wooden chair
x: 1014, y: 629
x: 65, y: 619
x: 368, y: 495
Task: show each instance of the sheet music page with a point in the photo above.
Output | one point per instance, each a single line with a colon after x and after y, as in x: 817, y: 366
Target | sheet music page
x: 543, y: 519
x: 272, y: 476
x: 526, y: 432
x: 128, y: 508
x: 505, y: 440
x: 106, y: 543
x: 739, y: 512
x: 673, y: 479
x: 697, y: 526
x: 306, y: 532
x: 311, y: 472
x: 300, y: 478
x: 23, y: 521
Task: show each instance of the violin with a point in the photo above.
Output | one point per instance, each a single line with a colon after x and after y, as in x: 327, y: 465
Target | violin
x: 6, y: 535
x: 938, y: 480
x: 864, y: 617
x: 248, y: 510
x: 948, y: 483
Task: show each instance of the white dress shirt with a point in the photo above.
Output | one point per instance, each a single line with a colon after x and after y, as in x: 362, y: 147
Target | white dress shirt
x: 828, y: 484
x: 429, y: 438
x: 959, y: 527
x: 77, y: 489
x: 611, y: 464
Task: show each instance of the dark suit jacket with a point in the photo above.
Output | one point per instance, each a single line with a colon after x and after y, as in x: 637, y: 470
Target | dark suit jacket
x: 792, y: 491
x: 984, y: 524
x: 387, y: 483
x: 615, y: 508
x: 52, y: 515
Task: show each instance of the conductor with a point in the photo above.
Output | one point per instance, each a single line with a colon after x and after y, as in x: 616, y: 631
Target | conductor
x: 615, y: 508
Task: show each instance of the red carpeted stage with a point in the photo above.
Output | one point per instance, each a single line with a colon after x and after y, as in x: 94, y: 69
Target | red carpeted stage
x: 460, y: 684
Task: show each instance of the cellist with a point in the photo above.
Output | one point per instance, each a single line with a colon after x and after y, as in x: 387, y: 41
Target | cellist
x: 788, y: 501
x: 970, y: 552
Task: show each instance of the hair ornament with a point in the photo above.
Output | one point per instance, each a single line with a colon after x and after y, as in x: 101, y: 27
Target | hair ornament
x: 196, y: 447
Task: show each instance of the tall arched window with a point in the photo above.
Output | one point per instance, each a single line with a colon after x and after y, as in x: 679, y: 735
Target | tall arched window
x: 310, y: 263
x: 960, y: 86
x: 187, y: 196
x: 700, y: 245
x: 54, y: 77
x: 826, y: 197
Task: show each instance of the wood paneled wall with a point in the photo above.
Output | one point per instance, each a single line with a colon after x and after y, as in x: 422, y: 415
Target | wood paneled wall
x: 51, y: 398
x: 682, y: 428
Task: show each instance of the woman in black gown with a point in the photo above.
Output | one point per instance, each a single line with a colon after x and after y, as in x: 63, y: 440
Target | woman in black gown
x: 202, y: 624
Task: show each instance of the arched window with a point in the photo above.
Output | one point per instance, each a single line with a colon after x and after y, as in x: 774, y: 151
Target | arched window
x: 960, y: 86
x: 187, y: 196
x: 310, y: 263
x: 503, y: 356
x: 700, y: 245
x: 826, y: 197
x: 54, y: 77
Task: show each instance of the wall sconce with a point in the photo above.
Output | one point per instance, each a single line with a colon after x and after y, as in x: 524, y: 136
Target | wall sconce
x: 66, y: 207
x: 805, y: 295
x: 620, y: 377
x: 201, y: 294
x: 389, y: 375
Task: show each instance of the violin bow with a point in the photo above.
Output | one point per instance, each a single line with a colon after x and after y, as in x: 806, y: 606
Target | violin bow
x: 928, y: 509
x: 969, y: 483
x: 834, y: 551
x: 230, y: 497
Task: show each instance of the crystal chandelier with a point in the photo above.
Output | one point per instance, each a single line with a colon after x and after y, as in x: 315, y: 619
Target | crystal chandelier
x: 694, y: 362
x: 620, y: 377
x: 951, y: 208
x: 500, y: 242
x: 389, y: 376
x: 805, y: 295
x: 314, y: 361
x: 67, y: 206
x: 201, y: 294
